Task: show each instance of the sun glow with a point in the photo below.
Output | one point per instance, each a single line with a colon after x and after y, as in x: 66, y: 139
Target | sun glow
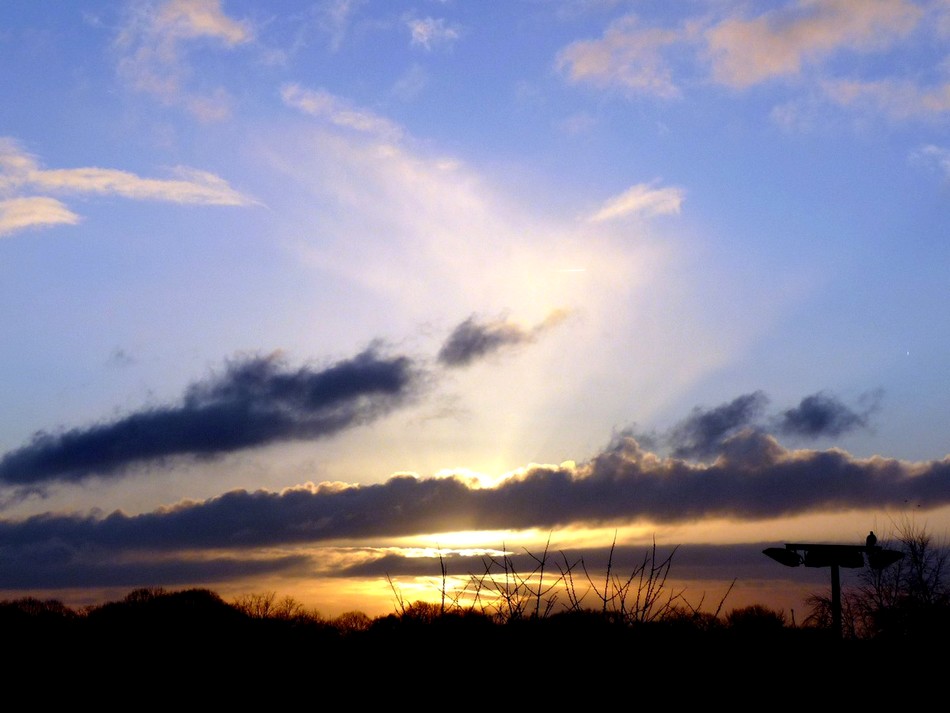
x: 471, y: 542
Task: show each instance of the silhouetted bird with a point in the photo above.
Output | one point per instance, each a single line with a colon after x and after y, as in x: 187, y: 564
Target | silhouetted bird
x: 871, y: 540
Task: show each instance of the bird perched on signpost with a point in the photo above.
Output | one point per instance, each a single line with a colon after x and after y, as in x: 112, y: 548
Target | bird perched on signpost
x: 871, y: 539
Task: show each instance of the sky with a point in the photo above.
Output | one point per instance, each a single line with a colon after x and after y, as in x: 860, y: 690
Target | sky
x: 352, y: 300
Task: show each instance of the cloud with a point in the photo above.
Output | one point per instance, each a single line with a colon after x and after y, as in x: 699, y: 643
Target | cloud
x: 899, y: 99
x: 323, y: 105
x: 21, y: 172
x: 335, y: 17
x: 21, y: 213
x: 412, y: 82
x: 152, y: 56
x: 641, y: 199
x: 46, y: 565
x: 577, y: 124
x: 755, y: 479
x: 780, y: 42
x: 628, y: 57
x: 823, y: 415
x: 121, y: 358
x: 706, y: 433
x: 472, y: 340
x: 691, y: 561
x: 703, y: 432
x: 57, y: 567
x: 935, y: 156
x: 792, y: 39
x: 215, y: 106
x: 571, y: 10
x: 193, y: 186
x: 188, y: 19
x: 307, y: 528
x: 256, y: 401
x: 428, y: 32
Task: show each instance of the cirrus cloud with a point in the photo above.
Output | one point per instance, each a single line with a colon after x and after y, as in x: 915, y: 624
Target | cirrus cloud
x: 321, y: 104
x: 628, y: 56
x: 152, y: 56
x: 35, y: 211
x: 641, y: 199
x: 20, y: 172
x: 429, y: 31
x: 898, y: 99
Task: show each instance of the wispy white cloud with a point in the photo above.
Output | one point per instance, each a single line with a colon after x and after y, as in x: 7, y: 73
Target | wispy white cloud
x: 20, y: 169
x: 411, y: 83
x: 335, y: 17
x: 216, y: 106
x: 337, y: 111
x: 577, y: 123
x: 899, y: 99
x: 628, y: 56
x: 942, y: 18
x: 780, y: 42
x: 796, y: 115
x: 193, y: 186
x: 641, y: 199
x: 200, y: 18
x: 573, y: 9
x: 933, y: 156
x: 430, y: 31
x: 801, y: 39
x: 152, y: 56
x: 20, y: 172
x: 21, y: 213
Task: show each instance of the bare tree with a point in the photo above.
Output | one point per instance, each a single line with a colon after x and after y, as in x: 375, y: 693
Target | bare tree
x: 266, y: 605
x: 909, y: 597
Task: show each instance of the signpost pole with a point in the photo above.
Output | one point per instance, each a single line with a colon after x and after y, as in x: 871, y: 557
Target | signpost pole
x: 836, y: 598
x: 835, y: 556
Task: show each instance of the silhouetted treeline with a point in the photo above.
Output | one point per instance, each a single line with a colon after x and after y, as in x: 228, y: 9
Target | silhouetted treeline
x: 160, y: 648
x: 509, y: 629
x: 199, y: 621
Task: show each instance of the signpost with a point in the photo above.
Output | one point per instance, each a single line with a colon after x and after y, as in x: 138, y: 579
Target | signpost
x: 834, y: 556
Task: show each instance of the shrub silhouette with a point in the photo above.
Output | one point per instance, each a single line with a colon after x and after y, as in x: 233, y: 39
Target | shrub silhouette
x: 189, y: 608
x: 756, y: 619
x: 30, y: 623
x: 34, y: 611
x: 351, y: 622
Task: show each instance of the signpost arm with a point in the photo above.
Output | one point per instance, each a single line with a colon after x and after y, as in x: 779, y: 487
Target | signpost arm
x: 835, y: 556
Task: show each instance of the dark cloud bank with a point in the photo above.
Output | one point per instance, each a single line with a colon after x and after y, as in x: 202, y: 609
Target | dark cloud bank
x: 257, y: 401
x: 720, y: 462
x: 754, y: 478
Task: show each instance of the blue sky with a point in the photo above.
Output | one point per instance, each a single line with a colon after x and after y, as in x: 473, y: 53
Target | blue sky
x: 677, y: 270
